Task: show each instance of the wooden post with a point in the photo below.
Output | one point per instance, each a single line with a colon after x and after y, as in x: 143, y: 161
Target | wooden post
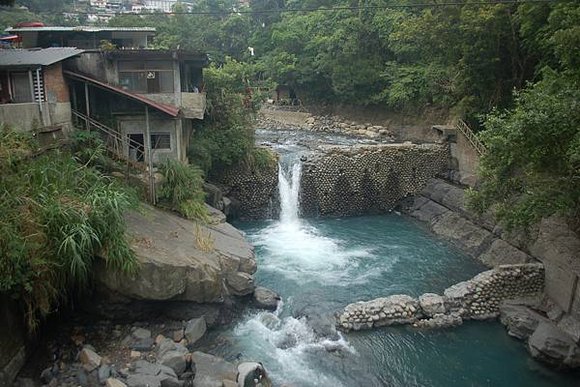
x: 87, y: 104
x: 149, y: 155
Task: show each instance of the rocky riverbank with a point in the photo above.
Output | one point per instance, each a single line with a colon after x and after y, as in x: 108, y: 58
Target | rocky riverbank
x: 138, y: 355
x: 270, y: 118
x: 148, y: 328
x: 550, y: 323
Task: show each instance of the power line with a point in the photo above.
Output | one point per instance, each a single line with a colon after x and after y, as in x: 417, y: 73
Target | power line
x: 328, y: 9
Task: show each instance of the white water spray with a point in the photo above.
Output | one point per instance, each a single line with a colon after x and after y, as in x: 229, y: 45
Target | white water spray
x: 289, y: 189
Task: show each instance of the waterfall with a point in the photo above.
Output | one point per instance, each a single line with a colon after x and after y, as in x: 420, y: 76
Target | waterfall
x: 289, y: 189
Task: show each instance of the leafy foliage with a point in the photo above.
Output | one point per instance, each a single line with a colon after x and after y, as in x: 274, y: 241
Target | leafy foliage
x: 57, y: 215
x: 226, y: 136
x: 183, y: 189
x: 532, y: 168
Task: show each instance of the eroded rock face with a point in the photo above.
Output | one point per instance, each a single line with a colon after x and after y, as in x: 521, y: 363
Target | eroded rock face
x: 550, y: 344
x: 520, y: 320
x: 432, y: 304
x: 181, y: 261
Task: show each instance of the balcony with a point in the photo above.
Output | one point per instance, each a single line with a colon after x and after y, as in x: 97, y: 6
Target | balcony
x: 193, y: 105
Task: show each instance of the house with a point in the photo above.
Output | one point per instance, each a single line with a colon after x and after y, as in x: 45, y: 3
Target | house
x: 148, y: 98
x: 143, y: 101
x: 33, y: 90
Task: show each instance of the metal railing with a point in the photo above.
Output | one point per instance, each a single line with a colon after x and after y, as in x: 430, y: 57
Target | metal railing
x: 114, y: 142
x: 471, y: 137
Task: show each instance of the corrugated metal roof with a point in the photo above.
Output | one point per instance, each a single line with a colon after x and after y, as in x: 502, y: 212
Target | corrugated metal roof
x: 80, y: 29
x: 36, y: 57
x: 171, y: 110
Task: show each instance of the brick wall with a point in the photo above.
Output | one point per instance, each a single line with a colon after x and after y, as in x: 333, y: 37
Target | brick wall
x: 54, y: 84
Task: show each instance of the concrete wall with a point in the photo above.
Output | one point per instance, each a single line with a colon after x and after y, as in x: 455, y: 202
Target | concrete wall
x: 96, y: 65
x: 466, y: 159
x: 27, y: 116
x: 136, y: 125
x: 355, y: 180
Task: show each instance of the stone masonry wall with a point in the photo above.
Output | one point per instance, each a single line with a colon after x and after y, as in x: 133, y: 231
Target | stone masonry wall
x: 477, y: 298
x: 362, y: 179
x: 252, y: 190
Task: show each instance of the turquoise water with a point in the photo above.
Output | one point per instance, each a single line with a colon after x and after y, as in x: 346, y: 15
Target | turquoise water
x: 319, y: 266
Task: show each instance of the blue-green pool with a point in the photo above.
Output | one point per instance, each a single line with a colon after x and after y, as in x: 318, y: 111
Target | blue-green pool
x: 319, y: 266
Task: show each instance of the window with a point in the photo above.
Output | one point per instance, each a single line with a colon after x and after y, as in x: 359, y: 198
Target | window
x: 21, y: 91
x: 146, y: 76
x: 160, y: 141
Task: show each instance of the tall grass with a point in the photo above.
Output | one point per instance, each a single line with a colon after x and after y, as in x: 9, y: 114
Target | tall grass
x: 57, y: 215
x: 182, y: 190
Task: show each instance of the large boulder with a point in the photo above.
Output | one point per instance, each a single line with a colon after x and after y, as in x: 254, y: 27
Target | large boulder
x: 551, y: 345
x: 266, y: 298
x: 519, y: 320
x: 181, y: 260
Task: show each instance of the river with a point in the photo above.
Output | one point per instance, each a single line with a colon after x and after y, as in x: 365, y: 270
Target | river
x: 320, y: 265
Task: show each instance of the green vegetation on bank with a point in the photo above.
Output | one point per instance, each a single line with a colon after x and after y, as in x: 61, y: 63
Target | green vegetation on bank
x: 182, y: 190
x: 58, y: 213
x: 532, y: 167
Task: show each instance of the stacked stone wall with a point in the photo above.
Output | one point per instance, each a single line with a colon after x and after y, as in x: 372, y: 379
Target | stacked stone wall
x: 356, y: 180
x: 478, y: 298
x: 253, y: 190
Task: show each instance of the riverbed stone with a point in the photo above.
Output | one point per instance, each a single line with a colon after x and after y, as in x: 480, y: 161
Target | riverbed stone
x: 266, y: 298
x: 112, y: 382
x: 141, y: 333
x: 432, y: 304
x: 174, y: 360
x: 89, y: 359
x: 211, y: 370
x: 195, y: 329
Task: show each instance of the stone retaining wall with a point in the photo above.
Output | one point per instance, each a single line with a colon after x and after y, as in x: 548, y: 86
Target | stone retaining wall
x: 362, y: 179
x: 477, y: 298
x: 252, y: 190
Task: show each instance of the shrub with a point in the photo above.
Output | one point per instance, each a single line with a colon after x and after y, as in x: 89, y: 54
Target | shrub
x: 57, y: 215
x: 183, y: 189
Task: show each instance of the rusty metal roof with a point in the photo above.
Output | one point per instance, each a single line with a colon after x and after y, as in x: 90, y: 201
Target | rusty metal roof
x: 170, y: 110
x: 36, y: 57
